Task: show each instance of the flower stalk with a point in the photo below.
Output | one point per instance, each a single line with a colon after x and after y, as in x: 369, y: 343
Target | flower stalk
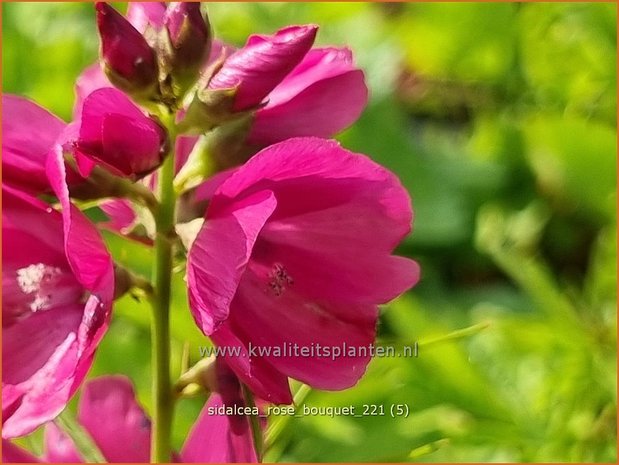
x: 83, y: 442
x: 254, y: 422
x: 163, y: 400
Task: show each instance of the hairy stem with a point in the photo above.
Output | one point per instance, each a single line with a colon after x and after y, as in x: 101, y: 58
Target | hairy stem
x: 163, y: 401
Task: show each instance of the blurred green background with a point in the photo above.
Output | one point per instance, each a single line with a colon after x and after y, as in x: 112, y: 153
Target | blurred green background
x: 501, y: 121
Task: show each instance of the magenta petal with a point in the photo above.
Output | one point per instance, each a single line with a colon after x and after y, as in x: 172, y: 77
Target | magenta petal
x: 138, y: 154
x: 184, y: 146
x: 290, y: 319
x: 28, y: 134
x: 341, y: 264
x: 45, y: 307
x: 143, y: 14
x: 15, y: 454
x: 322, y: 109
x: 256, y: 372
x: 319, y: 63
x: 91, y: 79
x: 101, y: 103
x: 49, y: 333
x: 39, y: 381
x: 207, y: 189
x: 121, y: 214
x: 219, y: 255
x: 59, y: 448
x: 84, y: 247
x: 324, y: 94
x: 262, y: 63
x: 219, y: 438
x: 115, y: 133
x: 37, y: 385
x: 112, y: 416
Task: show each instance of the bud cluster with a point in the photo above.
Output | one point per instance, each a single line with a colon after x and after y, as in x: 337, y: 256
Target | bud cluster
x: 161, y: 63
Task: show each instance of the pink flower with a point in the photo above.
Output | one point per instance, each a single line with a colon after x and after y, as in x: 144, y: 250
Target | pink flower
x: 324, y: 94
x: 262, y: 63
x: 28, y: 134
x: 296, y: 248
x: 141, y: 15
x: 109, y: 412
x: 216, y: 438
x: 118, y: 135
x: 58, y: 287
x: 123, y: 218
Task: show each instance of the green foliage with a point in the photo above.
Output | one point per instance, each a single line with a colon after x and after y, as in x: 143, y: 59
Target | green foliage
x: 500, y: 119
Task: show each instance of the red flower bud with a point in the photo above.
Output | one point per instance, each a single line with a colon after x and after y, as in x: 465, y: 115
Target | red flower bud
x: 129, y: 61
x: 190, y: 40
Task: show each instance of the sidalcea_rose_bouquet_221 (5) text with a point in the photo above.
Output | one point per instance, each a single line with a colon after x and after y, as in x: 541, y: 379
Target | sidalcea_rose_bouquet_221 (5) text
x: 221, y: 160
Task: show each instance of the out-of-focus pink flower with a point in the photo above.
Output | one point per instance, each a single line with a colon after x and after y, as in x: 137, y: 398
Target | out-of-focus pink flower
x: 141, y: 15
x: 216, y: 438
x: 121, y: 213
x: 28, y: 134
x: 262, y: 63
x: 108, y: 410
x: 324, y: 94
x: 128, y: 59
x: 296, y: 248
x: 58, y: 287
x: 91, y: 79
x: 117, y: 134
x: 15, y: 454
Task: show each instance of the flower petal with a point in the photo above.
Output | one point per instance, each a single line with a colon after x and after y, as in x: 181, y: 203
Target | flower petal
x: 121, y: 213
x: 85, y: 250
x: 322, y: 109
x: 39, y: 377
x: 219, y: 438
x: 256, y: 372
x: 44, y: 307
x: 59, y: 448
x: 115, y: 132
x: 284, y: 319
x: 143, y: 14
x: 139, y: 154
x: 108, y: 410
x: 28, y: 134
x: 15, y: 454
x: 91, y: 79
x: 219, y: 255
x: 262, y: 64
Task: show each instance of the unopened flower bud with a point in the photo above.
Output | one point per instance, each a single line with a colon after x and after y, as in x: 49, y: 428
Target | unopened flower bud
x: 264, y: 61
x: 129, y: 62
x: 189, y: 36
x: 116, y: 134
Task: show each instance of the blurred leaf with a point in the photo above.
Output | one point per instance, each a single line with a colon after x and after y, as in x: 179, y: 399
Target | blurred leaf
x: 575, y: 162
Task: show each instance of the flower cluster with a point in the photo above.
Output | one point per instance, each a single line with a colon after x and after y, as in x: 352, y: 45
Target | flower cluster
x: 189, y: 144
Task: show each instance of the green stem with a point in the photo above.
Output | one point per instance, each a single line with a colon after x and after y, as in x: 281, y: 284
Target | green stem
x: 163, y: 400
x: 254, y: 423
x: 82, y: 440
